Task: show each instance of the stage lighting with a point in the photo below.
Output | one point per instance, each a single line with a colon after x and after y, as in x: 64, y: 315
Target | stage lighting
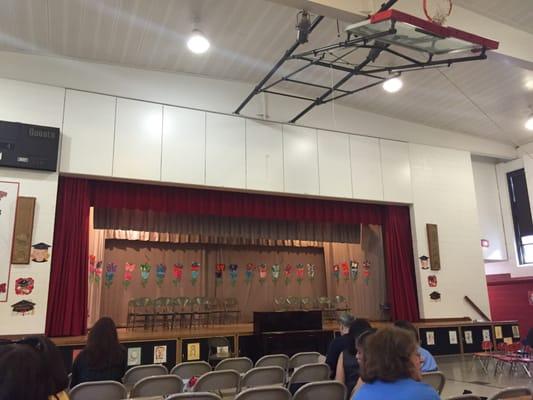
x: 197, y: 42
x: 393, y: 85
x: 302, y: 26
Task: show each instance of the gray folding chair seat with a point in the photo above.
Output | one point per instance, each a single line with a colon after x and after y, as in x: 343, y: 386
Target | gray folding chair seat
x: 299, y: 359
x: 161, y: 385
x: 109, y: 390
x: 273, y: 360
x: 239, y: 364
x: 135, y: 374
x: 330, y: 390
x: 265, y: 393
x: 186, y: 370
x: 511, y: 392
x: 435, y: 379
x: 215, y: 381
x: 194, y: 396
x: 263, y: 376
x: 308, y: 373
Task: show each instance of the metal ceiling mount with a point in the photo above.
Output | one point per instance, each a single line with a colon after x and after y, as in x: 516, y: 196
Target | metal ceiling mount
x: 414, y: 44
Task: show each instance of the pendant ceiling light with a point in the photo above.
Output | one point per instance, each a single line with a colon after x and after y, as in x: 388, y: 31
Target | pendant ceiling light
x: 197, y: 42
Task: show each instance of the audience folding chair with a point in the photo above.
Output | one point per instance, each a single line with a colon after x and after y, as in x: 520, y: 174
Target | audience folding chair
x: 464, y: 397
x: 435, y: 379
x: 161, y: 385
x: 216, y: 381
x: 512, y: 392
x: 194, y: 396
x: 273, y: 360
x: 239, y: 364
x: 109, y: 390
x: 186, y: 370
x: 263, y: 376
x: 330, y: 390
x: 135, y: 374
x: 265, y: 393
x: 308, y: 373
x: 299, y: 359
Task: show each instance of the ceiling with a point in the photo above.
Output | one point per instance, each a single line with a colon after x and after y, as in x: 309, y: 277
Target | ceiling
x: 483, y: 98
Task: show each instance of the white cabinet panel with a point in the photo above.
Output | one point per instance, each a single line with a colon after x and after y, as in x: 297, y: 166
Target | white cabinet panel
x: 183, y: 158
x: 396, y: 171
x: 366, y: 168
x: 334, y: 164
x: 138, y: 140
x: 225, y: 151
x: 264, y: 156
x: 300, y: 160
x: 88, y: 133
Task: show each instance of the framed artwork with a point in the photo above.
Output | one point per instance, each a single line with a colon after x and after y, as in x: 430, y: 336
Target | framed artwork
x: 468, y: 337
x: 433, y: 246
x: 160, y: 354
x: 9, y: 192
x: 193, y: 351
x: 23, y: 230
x: 134, y: 356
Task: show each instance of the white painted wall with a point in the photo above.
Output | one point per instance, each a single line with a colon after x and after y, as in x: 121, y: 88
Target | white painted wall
x: 489, y: 209
x: 443, y: 194
x: 42, y: 105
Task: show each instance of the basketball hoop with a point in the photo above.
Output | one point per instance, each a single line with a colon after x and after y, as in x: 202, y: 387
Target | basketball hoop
x: 437, y: 11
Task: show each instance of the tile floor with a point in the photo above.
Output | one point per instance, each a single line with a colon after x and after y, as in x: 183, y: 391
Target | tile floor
x: 462, y: 373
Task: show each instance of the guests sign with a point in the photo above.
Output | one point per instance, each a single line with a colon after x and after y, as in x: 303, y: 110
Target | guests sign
x: 8, y: 207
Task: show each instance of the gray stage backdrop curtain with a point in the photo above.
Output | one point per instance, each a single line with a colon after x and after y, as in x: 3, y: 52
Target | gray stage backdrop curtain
x: 224, y: 230
x: 364, y: 298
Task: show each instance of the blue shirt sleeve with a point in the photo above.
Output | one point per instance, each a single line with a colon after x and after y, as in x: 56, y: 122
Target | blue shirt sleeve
x: 428, y: 361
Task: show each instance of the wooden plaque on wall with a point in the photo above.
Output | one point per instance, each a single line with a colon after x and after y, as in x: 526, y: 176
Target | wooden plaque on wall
x: 433, y: 246
x: 23, y: 231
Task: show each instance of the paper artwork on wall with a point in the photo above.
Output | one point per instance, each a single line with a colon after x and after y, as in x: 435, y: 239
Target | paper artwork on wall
x: 354, y: 270
x: 40, y: 252
x: 145, y: 273
x: 468, y: 337
x: 193, y: 351
x: 516, y: 332
x: 336, y: 272
x: 345, y: 269
x: 287, y: 273
x: 249, y: 273
x: 23, y: 307
x: 276, y: 271
x: 453, y: 337
x: 263, y: 273
x: 134, y: 356
x: 8, y: 207
x: 311, y: 271
x: 508, y: 340
x: 366, y: 271
x: 160, y: 354
x: 233, y: 273
x: 95, y: 270
x: 424, y: 262
x: 486, y: 335
x: 430, y: 338
x: 160, y: 273
x: 24, y: 286
x: 435, y: 296
x: 23, y: 230
x: 432, y: 281
x: 219, y: 273
x: 195, y: 272
x: 177, y: 273
x: 300, y: 271
x: 128, y: 274
x: 110, y: 271
x: 498, y: 334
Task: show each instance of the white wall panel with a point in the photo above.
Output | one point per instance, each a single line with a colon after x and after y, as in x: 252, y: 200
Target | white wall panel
x: 367, y: 177
x: 88, y: 133
x: 334, y: 164
x: 138, y: 140
x: 264, y: 156
x: 396, y: 171
x: 300, y: 160
x: 183, y: 149
x: 225, y: 151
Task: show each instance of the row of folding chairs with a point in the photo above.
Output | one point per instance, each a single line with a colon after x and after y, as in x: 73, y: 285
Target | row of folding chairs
x: 507, y: 393
x: 513, y: 355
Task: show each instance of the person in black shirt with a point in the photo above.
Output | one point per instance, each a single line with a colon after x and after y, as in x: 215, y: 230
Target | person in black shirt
x: 339, y: 343
x: 103, y: 358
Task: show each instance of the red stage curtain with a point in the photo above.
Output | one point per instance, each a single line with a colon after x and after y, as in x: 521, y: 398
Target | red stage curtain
x: 401, y: 285
x: 67, y: 297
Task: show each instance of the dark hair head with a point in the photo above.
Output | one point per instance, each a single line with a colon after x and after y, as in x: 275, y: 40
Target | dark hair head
x: 103, y: 348
x: 360, y: 341
x: 387, y: 355
x: 408, y: 326
x: 346, y: 319
x: 53, y: 362
x: 23, y: 374
x: 357, y: 327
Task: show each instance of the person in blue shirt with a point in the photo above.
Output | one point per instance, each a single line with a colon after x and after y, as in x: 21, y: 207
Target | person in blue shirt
x: 390, y: 368
x: 428, y: 361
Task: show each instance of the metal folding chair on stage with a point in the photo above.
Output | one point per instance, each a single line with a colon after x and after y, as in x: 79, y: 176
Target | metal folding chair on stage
x: 330, y: 390
x: 163, y: 312
x: 328, y: 312
x: 200, y: 315
x: 293, y: 303
x: 280, y: 304
x: 182, y: 313
x: 187, y: 370
x: 140, y: 308
x: 109, y: 390
x: 161, y: 385
x: 231, y: 310
x: 215, y: 309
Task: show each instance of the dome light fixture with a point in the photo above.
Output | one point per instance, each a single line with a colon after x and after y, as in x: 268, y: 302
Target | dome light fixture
x: 392, y: 85
x: 197, y: 42
x: 529, y: 122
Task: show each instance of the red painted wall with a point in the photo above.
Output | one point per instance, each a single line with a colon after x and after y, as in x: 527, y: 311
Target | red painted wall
x: 509, y: 301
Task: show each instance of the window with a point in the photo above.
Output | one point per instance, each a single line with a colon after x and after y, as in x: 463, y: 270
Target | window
x: 523, y: 224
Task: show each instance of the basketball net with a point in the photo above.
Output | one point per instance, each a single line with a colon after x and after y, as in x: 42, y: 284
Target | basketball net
x: 437, y: 10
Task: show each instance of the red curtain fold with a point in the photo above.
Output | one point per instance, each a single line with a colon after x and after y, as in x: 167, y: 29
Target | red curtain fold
x: 398, y: 246
x: 67, y: 297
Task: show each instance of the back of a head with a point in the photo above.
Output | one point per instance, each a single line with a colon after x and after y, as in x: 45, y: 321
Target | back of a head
x: 23, y: 375
x: 407, y: 326
x: 346, y: 319
x: 103, y: 348
x: 357, y: 327
x: 387, y: 355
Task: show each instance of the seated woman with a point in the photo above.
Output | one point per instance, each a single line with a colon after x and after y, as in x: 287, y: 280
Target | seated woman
x: 103, y: 358
x: 391, y: 368
x: 347, y: 370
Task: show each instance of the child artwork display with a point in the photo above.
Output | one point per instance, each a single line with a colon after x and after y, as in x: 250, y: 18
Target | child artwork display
x: 498, y: 334
x: 516, y: 332
x: 453, y: 337
x: 432, y: 281
x: 468, y: 337
x: 24, y: 286
x: 8, y: 206
x: 40, y: 252
x: 193, y: 351
x: 486, y: 335
x: 430, y: 338
x: 160, y: 354
x: 134, y: 356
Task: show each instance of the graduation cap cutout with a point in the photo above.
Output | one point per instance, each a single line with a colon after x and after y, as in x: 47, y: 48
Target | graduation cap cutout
x: 23, y: 306
x: 434, y: 296
x: 40, y: 252
x: 424, y: 262
x: 2, y: 194
x: 41, y: 246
